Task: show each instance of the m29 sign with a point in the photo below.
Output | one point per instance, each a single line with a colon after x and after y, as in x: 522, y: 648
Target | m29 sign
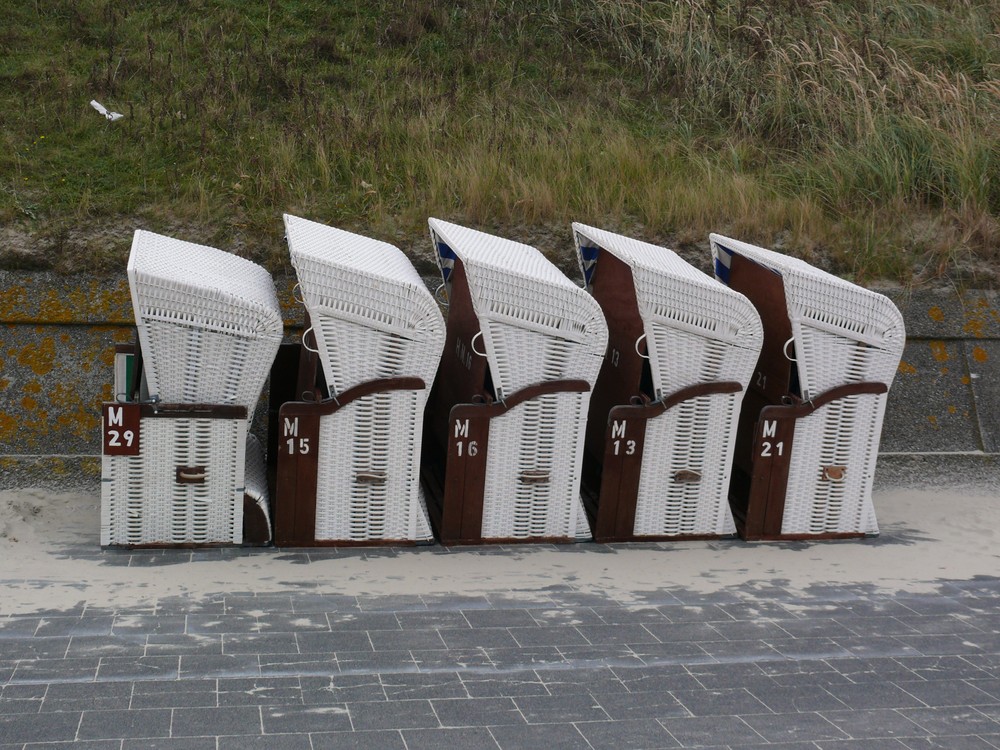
x: 120, y: 429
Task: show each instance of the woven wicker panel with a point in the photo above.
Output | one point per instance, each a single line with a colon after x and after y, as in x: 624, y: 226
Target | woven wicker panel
x: 695, y: 436
x: 368, y: 482
x: 845, y: 433
x: 372, y: 315
x: 209, y: 322
x: 142, y: 502
x: 544, y: 435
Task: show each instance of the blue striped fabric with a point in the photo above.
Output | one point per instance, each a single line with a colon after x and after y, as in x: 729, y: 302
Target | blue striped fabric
x: 722, y: 263
x: 446, y: 260
x: 588, y: 262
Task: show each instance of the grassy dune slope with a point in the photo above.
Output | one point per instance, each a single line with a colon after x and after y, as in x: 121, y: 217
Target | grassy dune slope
x: 860, y: 134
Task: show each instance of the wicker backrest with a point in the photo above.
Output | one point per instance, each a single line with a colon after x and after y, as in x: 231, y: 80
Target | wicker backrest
x: 843, y: 333
x: 371, y: 312
x: 697, y: 330
x: 209, y: 321
x: 537, y: 325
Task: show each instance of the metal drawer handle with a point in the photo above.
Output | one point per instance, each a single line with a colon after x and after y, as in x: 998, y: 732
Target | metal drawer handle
x: 686, y: 475
x: 369, y: 477
x: 834, y: 473
x: 190, y: 475
x: 533, y: 476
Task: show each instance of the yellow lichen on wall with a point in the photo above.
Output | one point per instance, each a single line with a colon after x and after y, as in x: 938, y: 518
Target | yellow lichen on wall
x: 39, y: 357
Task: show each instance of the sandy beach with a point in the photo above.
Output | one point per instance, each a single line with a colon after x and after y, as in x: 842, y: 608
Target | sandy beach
x: 926, y: 537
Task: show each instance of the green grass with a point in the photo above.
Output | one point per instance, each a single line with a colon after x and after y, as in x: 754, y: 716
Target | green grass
x: 860, y: 134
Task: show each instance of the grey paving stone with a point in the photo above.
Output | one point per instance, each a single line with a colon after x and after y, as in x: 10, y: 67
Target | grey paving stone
x: 548, y: 736
x: 416, y: 685
x: 78, y: 745
x: 795, y: 727
x: 19, y: 728
x: 225, y: 623
x: 34, y: 648
x: 452, y: 659
x: 697, y: 613
x: 942, y: 692
x: 106, y: 645
x: 260, y: 643
x: 564, y: 616
x: 20, y: 705
x: 47, y: 670
x: 296, y: 665
x: 789, y: 699
x: 869, y: 743
x: 260, y: 691
x: 808, y: 648
x: 713, y: 676
x: 287, y: 622
x: 503, y: 685
x: 365, y: 740
x: 435, y: 739
x: 432, y: 620
x: 863, y: 626
x: 547, y: 709
x: 477, y: 637
x: 641, y: 734
x: 337, y: 641
x: 943, y: 667
x: 720, y: 702
x: 196, y: 722
x: 867, y: 647
x: 663, y: 654
x: 499, y: 618
x: 873, y: 670
x: 627, y: 633
x: 676, y: 632
x: 666, y: 677
x: 525, y: 658
x: 125, y: 624
x: 879, y: 722
x: 391, y: 603
x: 363, y: 621
x: 712, y: 731
x: 740, y: 650
x: 232, y: 665
x: 477, y: 712
x: 339, y: 688
x: 874, y: 695
x: 195, y: 643
x: 257, y: 604
x: 406, y: 714
x: 266, y: 742
x: 97, y: 725
x: 173, y: 743
x: 648, y: 705
x: 943, y: 722
x: 793, y: 673
x: 354, y: 662
x: 953, y: 742
x: 322, y: 603
x: 139, y: 668
x: 937, y: 645
x: 87, y: 696
x: 174, y: 694
x: 624, y: 615
x: 398, y: 640
x: 291, y: 719
x: 595, y: 680
x: 60, y: 626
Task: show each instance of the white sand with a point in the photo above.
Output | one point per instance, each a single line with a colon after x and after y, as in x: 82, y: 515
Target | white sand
x: 926, y: 537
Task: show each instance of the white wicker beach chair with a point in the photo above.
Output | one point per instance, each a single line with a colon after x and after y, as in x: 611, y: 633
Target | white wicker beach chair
x: 526, y: 344
x: 208, y: 327
x: 693, y: 343
x: 831, y: 352
x: 374, y: 323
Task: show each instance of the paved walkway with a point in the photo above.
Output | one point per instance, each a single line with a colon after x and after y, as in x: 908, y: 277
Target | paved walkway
x: 840, y: 666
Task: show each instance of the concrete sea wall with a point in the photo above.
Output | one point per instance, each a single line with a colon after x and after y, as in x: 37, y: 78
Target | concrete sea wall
x: 57, y: 337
